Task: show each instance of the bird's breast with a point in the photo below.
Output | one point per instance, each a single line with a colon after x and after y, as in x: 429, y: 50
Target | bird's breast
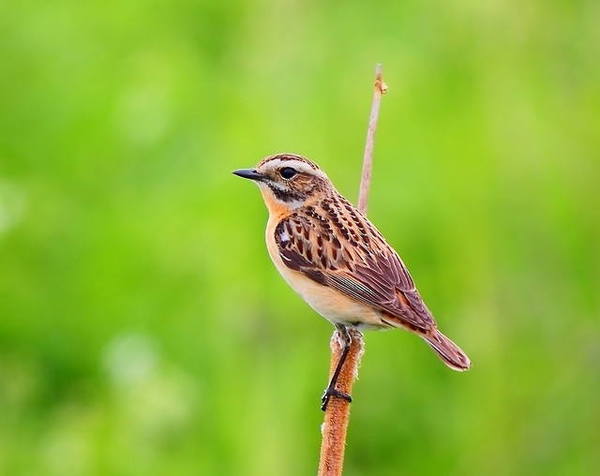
x: 330, y: 303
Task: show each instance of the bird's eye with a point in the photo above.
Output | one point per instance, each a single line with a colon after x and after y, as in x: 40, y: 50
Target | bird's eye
x: 287, y: 172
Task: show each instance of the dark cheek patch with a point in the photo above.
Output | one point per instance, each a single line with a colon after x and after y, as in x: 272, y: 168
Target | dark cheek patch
x: 287, y: 195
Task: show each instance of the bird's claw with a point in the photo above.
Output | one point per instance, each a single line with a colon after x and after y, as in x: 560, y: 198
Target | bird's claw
x: 332, y: 392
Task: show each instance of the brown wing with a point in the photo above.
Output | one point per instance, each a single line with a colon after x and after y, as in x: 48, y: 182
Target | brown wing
x: 359, y: 263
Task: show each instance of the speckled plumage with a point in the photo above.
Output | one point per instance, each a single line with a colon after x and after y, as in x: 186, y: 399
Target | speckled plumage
x: 334, y: 257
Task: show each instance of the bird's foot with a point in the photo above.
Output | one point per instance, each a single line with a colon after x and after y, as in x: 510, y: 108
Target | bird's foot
x: 332, y: 392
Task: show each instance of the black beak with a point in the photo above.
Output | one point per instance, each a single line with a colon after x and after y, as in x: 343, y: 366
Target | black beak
x: 249, y: 174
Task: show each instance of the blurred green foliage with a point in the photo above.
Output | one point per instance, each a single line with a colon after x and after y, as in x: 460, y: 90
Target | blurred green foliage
x: 143, y: 329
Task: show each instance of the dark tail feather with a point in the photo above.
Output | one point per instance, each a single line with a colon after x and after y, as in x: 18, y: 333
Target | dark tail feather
x: 449, y: 352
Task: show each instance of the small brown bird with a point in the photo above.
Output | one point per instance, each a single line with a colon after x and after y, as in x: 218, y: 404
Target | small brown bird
x: 340, y: 264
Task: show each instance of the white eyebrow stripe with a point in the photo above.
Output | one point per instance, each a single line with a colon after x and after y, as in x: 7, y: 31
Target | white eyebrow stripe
x: 299, y: 165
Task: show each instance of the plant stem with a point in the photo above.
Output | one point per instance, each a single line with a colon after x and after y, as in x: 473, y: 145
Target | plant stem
x: 380, y: 88
x: 337, y: 414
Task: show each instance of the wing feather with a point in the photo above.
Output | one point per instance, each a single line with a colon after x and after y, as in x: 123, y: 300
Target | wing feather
x: 369, y: 271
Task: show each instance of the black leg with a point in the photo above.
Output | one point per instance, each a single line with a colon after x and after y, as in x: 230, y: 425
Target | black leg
x: 331, y: 391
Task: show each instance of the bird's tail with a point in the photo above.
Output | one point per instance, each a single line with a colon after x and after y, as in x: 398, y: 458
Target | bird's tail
x: 448, y: 351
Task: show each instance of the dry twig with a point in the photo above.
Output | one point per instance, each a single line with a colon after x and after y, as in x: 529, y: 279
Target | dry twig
x: 365, y: 182
x: 337, y: 414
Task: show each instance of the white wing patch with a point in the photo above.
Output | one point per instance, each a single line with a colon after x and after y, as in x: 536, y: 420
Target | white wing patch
x: 284, y: 236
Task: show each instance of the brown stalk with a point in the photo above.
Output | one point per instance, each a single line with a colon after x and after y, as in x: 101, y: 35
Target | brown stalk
x: 337, y: 414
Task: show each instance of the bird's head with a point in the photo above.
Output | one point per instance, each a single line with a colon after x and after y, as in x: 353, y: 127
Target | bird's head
x: 288, y: 181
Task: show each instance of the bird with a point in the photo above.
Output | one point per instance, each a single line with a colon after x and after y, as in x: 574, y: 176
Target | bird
x: 338, y: 261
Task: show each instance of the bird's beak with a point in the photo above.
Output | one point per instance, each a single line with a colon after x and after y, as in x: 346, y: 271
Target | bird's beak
x: 251, y: 174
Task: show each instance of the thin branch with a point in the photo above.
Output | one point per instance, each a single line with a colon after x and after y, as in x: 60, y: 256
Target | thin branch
x: 365, y: 182
x: 337, y: 414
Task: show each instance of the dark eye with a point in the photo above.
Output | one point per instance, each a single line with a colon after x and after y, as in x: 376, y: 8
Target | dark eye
x: 287, y: 172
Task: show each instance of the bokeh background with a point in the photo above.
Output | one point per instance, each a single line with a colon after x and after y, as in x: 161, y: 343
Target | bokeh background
x: 143, y: 329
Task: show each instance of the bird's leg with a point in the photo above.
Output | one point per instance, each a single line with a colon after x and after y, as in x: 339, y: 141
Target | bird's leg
x: 331, y: 391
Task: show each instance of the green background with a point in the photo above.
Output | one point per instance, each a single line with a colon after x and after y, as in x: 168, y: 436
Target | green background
x: 143, y: 329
